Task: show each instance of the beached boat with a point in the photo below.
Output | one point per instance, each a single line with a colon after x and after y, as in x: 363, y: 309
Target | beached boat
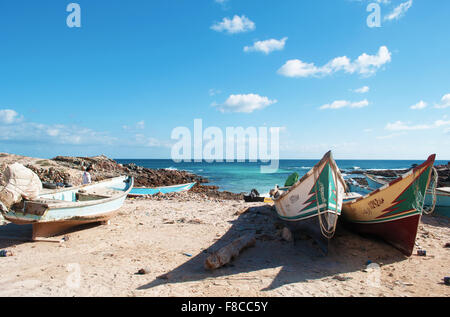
x: 355, y: 187
x: 141, y: 191
x: 393, y: 211
x: 55, y: 211
x: 376, y: 182
x: 314, y: 203
x: 441, y: 205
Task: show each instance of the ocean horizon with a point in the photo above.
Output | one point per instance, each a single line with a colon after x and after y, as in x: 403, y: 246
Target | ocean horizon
x: 238, y: 177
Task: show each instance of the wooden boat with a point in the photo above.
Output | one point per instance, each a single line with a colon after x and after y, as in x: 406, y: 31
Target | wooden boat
x: 55, y: 211
x: 314, y: 203
x: 375, y: 182
x: 141, y: 191
x: 355, y: 187
x: 393, y: 211
x: 442, y: 204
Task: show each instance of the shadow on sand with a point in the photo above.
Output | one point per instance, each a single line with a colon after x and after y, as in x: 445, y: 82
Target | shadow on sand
x: 436, y: 220
x: 13, y: 235
x: 298, y: 261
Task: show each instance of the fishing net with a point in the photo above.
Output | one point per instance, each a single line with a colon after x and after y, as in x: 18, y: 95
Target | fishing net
x: 20, y: 183
x: 428, y: 210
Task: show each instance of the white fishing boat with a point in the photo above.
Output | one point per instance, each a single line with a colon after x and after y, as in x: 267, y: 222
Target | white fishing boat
x: 55, y: 211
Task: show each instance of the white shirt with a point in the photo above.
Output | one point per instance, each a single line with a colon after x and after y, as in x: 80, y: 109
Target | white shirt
x: 86, y: 178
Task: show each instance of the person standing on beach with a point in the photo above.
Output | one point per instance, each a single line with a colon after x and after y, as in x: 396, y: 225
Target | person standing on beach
x: 86, y: 177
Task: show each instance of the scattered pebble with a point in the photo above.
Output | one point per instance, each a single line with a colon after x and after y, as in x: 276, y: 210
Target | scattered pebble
x: 342, y: 278
x: 143, y: 271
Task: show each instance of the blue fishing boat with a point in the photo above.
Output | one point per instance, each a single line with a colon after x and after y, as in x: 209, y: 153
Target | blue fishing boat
x: 142, y: 191
x: 55, y: 211
x: 442, y: 207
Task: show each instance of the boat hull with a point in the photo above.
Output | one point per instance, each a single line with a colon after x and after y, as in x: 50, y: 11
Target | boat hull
x: 393, y: 211
x: 164, y: 190
x: 314, y: 203
x: 400, y: 233
x: 442, y: 207
x: 59, y: 210
x: 311, y: 227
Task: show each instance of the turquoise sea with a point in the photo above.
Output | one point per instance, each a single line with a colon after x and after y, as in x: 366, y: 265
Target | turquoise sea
x: 243, y: 177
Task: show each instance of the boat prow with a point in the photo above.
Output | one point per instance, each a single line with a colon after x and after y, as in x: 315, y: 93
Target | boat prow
x: 314, y: 203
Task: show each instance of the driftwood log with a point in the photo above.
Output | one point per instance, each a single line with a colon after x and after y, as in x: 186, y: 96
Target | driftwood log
x: 229, y: 252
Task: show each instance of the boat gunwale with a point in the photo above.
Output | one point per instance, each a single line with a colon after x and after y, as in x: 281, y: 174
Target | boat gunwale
x: 429, y: 161
x: 170, y: 186
x: 377, y: 179
x: 66, y: 205
x: 327, y: 157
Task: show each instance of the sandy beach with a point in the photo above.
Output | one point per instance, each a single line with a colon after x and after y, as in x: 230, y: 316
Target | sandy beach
x: 170, y: 238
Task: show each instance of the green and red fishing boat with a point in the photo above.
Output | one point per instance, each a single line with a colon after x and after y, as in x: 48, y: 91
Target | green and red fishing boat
x: 393, y: 211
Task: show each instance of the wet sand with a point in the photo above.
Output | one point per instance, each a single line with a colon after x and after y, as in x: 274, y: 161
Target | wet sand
x: 171, y: 237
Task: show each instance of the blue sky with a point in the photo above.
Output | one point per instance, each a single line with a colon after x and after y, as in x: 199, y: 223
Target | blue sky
x: 136, y: 70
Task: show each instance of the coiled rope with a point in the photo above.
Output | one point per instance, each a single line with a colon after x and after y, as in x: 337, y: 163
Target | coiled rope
x: 433, y: 186
x: 327, y: 233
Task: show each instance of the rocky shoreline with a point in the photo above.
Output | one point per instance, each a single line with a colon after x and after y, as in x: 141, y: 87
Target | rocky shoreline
x: 69, y: 170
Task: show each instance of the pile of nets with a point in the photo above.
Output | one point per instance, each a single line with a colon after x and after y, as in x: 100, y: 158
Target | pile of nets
x: 20, y: 183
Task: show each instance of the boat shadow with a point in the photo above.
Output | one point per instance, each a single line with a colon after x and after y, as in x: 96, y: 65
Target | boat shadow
x: 436, y: 220
x: 299, y: 261
x: 13, y: 235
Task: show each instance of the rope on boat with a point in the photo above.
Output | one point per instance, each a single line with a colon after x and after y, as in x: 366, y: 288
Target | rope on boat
x: 433, y: 185
x: 327, y: 233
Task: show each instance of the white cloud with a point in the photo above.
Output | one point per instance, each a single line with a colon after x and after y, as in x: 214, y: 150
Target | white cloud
x: 362, y: 90
x: 238, y: 24
x: 365, y: 65
x: 54, y: 134
x: 213, y: 92
x: 19, y: 131
x: 420, y: 105
x: 338, y: 104
x: 142, y: 140
x: 445, y: 102
x: 245, y: 103
x: 399, y: 11
x: 267, y: 46
x: 9, y: 116
x: 441, y: 123
x: 138, y: 126
x: 389, y: 136
x: 403, y: 126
